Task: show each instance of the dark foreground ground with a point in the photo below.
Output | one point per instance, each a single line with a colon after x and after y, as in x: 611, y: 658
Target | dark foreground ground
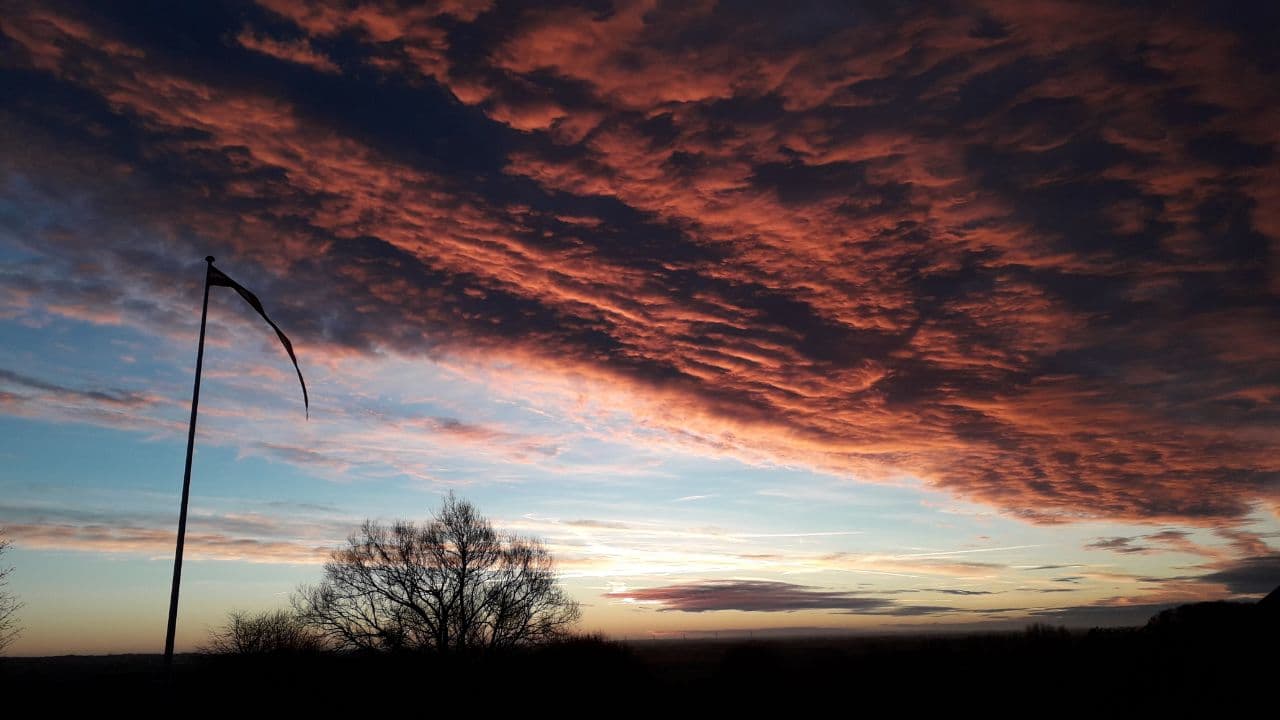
x: 1199, y: 664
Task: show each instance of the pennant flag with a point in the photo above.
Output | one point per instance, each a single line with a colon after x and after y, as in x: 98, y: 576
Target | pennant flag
x: 217, y: 277
x: 213, y: 276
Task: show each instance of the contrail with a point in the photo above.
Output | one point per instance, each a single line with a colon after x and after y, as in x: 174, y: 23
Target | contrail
x: 965, y: 552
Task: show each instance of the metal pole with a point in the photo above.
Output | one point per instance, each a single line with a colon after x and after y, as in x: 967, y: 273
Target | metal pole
x: 186, y: 481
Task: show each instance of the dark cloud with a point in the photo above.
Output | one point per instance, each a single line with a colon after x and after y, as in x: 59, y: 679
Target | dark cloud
x: 766, y: 596
x: 1250, y: 576
x: 1027, y: 255
x: 1118, y: 544
x: 1157, y: 542
x: 944, y: 591
x: 109, y: 397
x: 1101, y: 615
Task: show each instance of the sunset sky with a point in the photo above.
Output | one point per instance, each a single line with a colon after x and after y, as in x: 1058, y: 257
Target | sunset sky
x: 788, y: 316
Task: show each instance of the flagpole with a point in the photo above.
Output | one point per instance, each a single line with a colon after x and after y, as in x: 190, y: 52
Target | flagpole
x: 186, y: 480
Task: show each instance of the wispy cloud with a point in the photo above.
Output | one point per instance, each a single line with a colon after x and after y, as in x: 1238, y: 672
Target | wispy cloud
x: 157, y: 543
x: 306, y: 538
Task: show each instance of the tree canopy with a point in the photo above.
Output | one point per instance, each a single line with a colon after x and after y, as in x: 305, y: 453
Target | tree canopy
x: 454, y: 584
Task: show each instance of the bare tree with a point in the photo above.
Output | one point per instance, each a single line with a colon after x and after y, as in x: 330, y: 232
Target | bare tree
x: 271, y: 632
x: 453, y: 585
x: 9, y: 604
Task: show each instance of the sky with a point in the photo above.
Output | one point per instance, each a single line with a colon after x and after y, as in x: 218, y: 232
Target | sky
x: 766, y: 317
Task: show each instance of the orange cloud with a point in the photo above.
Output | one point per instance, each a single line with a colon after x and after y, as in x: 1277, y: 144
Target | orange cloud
x: 297, y: 51
x: 1001, y: 250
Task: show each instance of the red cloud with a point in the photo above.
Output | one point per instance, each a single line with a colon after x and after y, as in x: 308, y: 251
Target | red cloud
x: 298, y: 51
x: 1003, y: 250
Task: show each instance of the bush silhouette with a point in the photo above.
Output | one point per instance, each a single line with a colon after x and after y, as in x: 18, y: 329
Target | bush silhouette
x: 272, y: 632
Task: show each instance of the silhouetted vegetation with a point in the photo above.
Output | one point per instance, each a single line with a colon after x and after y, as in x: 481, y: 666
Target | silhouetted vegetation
x: 1182, y: 663
x: 9, y: 604
x: 455, y: 585
x: 267, y: 633
x: 1046, y: 633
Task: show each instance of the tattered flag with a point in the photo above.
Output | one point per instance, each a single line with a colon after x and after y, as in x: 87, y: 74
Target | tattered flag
x: 217, y: 277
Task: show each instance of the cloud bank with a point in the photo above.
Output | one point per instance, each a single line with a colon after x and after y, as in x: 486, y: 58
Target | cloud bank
x: 1027, y: 254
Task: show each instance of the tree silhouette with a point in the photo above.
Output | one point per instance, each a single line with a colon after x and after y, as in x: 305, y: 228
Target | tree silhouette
x: 9, y: 604
x: 452, y: 585
x: 271, y: 632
